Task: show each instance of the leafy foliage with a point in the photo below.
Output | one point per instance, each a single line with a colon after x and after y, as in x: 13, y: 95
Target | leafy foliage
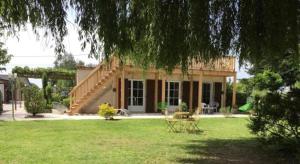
x: 48, y: 92
x: 4, y: 57
x: 183, y: 107
x: 107, y: 111
x: 268, y: 79
x: 52, y: 73
x: 162, y: 106
x: 277, y: 112
x: 34, y: 100
x: 66, y: 102
x: 167, y: 33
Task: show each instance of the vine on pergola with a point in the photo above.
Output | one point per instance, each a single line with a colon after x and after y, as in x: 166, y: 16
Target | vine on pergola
x: 52, y: 73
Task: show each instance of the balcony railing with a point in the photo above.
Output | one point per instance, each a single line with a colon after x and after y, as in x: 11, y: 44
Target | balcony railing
x: 221, y: 64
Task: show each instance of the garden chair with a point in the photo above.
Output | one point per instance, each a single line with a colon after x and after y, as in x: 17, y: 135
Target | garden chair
x: 215, y: 106
x: 171, y: 122
x: 205, y: 108
x: 192, y: 124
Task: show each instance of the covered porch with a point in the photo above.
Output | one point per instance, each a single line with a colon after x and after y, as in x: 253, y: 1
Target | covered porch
x: 141, y: 92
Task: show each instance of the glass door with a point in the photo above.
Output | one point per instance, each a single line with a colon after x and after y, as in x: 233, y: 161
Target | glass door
x: 136, y: 95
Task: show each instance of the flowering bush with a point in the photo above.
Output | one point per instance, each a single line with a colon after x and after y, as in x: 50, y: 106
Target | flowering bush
x: 106, y: 111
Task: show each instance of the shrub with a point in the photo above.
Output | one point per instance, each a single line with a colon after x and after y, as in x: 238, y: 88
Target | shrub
x: 183, y: 107
x: 162, y: 106
x: 106, y: 111
x: 276, y: 117
x: 66, y: 102
x: 34, y: 100
x: 48, y: 91
x: 56, y: 97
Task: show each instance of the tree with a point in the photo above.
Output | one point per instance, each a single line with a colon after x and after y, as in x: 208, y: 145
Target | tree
x: 34, y: 100
x: 277, y: 112
x: 44, y: 84
x: 170, y: 32
x: 65, y: 61
x: 4, y: 57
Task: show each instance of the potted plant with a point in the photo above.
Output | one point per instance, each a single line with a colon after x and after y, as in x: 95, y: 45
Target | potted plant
x: 107, y: 111
x: 183, y: 107
x: 162, y: 107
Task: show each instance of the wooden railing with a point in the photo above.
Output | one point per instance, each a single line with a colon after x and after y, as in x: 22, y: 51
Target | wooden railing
x: 221, y: 64
x: 94, y: 78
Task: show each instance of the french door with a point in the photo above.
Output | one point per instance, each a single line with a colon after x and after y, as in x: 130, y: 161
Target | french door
x: 136, y: 96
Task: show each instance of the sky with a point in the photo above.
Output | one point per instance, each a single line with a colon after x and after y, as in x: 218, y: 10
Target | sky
x: 29, y: 50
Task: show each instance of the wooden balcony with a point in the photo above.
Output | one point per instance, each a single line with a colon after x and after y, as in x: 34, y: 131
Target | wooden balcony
x: 226, y: 64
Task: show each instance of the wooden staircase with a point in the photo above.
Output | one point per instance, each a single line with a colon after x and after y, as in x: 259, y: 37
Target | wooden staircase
x: 85, y: 91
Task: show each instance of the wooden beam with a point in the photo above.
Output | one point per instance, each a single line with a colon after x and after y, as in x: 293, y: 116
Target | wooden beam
x: 116, y: 86
x: 163, y: 88
x: 224, y: 93
x: 200, y: 94
x: 123, y: 90
x: 234, y: 92
x: 156, y: 92
x: 191, y: 94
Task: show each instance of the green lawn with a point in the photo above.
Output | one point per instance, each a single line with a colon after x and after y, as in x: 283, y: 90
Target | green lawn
x: 223, y: 140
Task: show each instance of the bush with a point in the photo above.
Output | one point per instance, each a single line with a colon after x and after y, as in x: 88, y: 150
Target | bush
x: 66, y: 102
x: 56, y: 97
x: 106, y: 111
x: 276, y: 117
x: 183, y: 107
x: 162, y: 106
x: 34, y: 100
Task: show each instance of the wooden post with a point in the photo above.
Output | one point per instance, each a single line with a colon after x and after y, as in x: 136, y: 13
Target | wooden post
x: 123, y: 89
x: 234, y: 93
x: 200, y: 93
x: 191, y: 94
x: 116, y: 86
x: 156, y: 92
x: 163, y: 88
x: 224, y: 93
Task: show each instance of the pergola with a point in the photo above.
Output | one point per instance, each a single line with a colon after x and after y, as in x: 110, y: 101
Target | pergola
x: 52, y: 73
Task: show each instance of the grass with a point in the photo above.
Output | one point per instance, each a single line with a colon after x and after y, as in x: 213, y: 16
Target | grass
x: 223, y: 140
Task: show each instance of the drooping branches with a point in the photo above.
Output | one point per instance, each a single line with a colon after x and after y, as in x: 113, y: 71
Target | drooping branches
x: 168, y: 32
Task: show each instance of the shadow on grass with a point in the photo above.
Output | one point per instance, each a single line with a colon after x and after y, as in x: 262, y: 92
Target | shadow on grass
x: 231, y: 151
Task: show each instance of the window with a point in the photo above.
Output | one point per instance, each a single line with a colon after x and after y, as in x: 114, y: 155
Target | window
x: 172, y: 93
x: 206, y: 93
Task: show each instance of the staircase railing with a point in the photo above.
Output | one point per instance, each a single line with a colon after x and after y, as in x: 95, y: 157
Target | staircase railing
x: 93, y: 79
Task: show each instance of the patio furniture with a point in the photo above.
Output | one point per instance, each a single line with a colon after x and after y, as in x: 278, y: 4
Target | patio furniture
x: 182, y: 122
x: 171, y: 123
x: 181, y: 115
x: 192, y: 124
x: 205, y: 108
x: 122, y: 112
x: 215, y: 106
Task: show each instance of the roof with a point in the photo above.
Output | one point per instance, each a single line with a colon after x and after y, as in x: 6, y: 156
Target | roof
x: 81, y: 67
x: 4, y: 77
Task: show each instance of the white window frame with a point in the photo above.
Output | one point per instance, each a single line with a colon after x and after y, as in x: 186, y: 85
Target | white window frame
x: 168, y: 93
x: 137, y: 108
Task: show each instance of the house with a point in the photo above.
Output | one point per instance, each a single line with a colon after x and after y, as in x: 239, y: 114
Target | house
x: 129, y: 87
x: 6, y: 91
x: 4, y: 87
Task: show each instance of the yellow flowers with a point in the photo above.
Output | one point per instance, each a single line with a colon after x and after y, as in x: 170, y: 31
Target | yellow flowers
x: 106, y: 111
